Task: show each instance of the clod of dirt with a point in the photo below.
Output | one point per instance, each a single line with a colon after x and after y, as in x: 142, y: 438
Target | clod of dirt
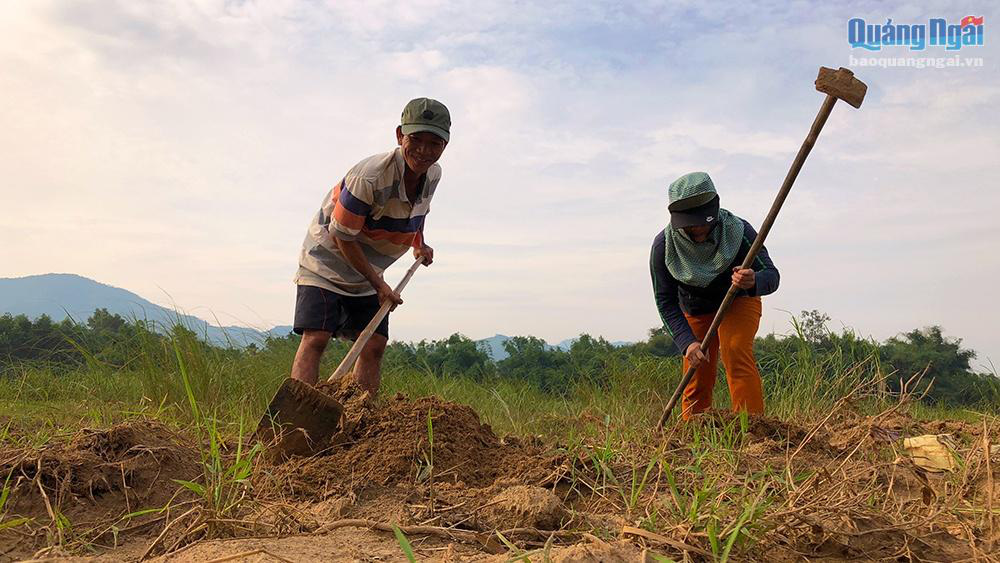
x: 389, y: 443
x: 591, y: 553
x: 525, y: 506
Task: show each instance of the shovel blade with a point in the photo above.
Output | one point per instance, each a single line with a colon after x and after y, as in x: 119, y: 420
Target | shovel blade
x: 299, y: 420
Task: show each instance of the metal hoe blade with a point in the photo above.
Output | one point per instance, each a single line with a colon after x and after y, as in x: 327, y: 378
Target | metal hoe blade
x: 300, y: 420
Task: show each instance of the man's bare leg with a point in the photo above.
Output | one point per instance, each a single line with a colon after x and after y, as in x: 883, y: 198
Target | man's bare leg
x: 305, y: 367
x: 368, y: 370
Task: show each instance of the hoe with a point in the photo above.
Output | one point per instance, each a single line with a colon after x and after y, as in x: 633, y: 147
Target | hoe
x: 300, y: 417
x: 837, y: 85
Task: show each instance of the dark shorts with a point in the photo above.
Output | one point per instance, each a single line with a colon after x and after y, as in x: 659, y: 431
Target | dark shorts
x: 320, y: 309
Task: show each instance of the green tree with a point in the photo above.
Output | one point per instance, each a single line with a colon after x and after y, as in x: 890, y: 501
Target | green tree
x: 531, y: 359
x: 811, y: 326
x: 946, y: 362
x: 590, y: 358
x: 455, y: 355
x: 659, y: 343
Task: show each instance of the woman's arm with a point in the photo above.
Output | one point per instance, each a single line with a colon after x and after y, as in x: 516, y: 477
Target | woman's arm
x: 665, y: 294
x: 766, y: 276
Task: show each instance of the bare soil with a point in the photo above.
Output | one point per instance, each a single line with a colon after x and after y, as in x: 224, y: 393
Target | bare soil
x: 836, y: 489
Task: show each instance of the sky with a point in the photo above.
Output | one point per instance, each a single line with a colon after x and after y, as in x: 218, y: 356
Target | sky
x: 179, y: 150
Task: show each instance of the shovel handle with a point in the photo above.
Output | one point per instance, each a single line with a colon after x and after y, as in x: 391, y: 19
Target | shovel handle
x: 348, y: 362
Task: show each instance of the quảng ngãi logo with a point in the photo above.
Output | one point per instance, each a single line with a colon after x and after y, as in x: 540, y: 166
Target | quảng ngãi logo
x: 937, y: 32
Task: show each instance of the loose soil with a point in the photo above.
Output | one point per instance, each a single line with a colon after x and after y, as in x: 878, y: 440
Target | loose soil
x: 836, y: 489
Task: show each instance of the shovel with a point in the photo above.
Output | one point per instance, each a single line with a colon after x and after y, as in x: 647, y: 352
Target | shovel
x: 300, y: 416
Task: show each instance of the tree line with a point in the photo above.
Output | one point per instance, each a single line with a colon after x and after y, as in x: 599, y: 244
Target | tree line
x: 111, y: 340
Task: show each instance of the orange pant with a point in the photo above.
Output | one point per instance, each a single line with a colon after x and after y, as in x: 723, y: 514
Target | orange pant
x: 737, y: 331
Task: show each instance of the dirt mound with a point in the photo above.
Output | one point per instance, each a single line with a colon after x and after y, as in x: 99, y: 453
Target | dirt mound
x: 126, y: 462
x: 402, y: 441
x: 586, y: 552
x: 594, y: 553
x: 96, y: 476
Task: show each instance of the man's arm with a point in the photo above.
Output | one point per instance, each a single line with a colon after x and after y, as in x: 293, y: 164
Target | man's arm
x: 356, y: 258
x: 420, y: 248
x: 353, y: 203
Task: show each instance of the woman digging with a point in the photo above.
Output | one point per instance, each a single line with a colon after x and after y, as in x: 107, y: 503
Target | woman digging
x: 693, y: 263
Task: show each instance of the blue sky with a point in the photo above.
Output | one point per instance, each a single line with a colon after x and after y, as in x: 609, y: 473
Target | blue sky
x: 178, y: 149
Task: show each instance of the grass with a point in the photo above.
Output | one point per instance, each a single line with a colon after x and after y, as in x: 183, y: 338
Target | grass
x: 162, y: 375
x: 404, y: 544
x: 225, y: 478
x: 5, y: 522
x: 604, y: 427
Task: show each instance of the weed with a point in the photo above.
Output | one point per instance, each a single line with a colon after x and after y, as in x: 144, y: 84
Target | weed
x: 516, y: 553
x: 404, y: 544
x: 637, y: 485
x: 4, y: 496
x: 225, y: 480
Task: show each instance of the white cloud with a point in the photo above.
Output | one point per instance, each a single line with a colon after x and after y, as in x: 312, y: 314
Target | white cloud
x: 184, y: 146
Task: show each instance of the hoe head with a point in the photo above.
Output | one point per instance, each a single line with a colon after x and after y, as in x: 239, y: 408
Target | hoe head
x: 842, y: 85
x: 299, y: 421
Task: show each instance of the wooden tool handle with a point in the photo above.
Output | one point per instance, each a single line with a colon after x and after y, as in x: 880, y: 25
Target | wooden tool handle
x: 786, y: 186
x: 366, y: 334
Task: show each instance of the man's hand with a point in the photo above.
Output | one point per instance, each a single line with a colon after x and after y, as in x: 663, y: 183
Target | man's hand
x: 694, y: 356
x: 744, y: 279
x: 385, y: 293
x: 426, y: 252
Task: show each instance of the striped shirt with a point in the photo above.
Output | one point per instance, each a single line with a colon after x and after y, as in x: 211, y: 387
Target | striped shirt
x: 368, y: 206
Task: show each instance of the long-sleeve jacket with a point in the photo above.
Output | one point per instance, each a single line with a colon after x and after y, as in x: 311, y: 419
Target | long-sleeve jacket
x: 674, y: 298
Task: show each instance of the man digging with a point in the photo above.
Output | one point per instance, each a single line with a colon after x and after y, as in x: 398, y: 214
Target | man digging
x: 365, y: 223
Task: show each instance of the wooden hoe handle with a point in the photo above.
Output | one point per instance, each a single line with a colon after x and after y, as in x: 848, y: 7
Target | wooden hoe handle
x: 366, y: 334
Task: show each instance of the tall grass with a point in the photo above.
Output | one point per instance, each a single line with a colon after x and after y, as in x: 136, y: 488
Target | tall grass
x: 164, y: 374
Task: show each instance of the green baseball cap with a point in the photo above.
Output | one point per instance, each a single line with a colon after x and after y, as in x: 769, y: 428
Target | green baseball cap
x: 425, y: 114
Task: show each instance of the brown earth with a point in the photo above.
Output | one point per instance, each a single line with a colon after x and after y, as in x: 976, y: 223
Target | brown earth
x: 89, y: 481
x: 835, y: 489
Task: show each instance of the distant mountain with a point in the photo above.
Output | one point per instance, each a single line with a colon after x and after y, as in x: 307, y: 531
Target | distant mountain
x: 62, y: 295
x: 494, y: 345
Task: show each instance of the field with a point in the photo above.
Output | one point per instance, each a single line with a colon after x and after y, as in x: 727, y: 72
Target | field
x: 155, y: 460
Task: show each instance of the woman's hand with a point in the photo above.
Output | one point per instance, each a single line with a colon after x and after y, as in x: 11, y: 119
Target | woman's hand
x: 694, y: 356
x: 744, y: 278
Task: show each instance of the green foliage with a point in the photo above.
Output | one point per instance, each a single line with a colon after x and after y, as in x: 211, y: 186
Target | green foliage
x: 454, y: 355
x: 225, y: 478
x: 947, y: 364
x: 7, y: 523
x: 531, y: 359
x: 659, y: 343
x: 169, y: 370
x: 404, y: 544
x: 811, y: 326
